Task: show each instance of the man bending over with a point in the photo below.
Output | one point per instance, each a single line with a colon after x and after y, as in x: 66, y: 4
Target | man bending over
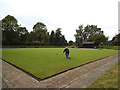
x: 66, y: 50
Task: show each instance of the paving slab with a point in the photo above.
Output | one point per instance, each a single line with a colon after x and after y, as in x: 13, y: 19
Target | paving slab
x: 86, y: 80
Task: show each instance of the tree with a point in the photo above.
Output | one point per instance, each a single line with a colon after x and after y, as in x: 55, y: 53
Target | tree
x: 9, y: 29
x: 63, y: 41
x: 83, y: 33
x: 116, y: 40
x: 41, y: 33
x: 98, y: 39
x: 52, y: 38
x: 79, y: 35
x: 31, y: 37
x: 58, y: 35
x: 59, y: 38
x: 23, y: 35
x: 91, y: 30
x: 12, y: 33
x: 71, y: 42
x: 46, y: 40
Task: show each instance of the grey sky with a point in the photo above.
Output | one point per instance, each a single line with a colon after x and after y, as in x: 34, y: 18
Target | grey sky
x: 65, y: 14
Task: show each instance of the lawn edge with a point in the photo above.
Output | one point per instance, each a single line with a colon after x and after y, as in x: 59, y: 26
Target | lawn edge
x: 38, y: 79
x: 22, y: 70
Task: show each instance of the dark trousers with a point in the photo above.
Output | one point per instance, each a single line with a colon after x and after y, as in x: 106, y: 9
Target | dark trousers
x: 67, y: 55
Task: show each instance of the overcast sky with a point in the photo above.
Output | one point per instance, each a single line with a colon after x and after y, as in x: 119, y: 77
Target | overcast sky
x: 65, y: 14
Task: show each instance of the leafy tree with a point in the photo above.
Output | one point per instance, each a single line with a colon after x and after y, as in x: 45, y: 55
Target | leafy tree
x: 31, y: 37
x: 91, y: 30
x: 63, y: 41
x: 12, y: 33
x: 115, y: 43
x: 71, y: 42
x: 59, y: 38
x: 41, y: 33
x: 52, y: 38
x: 116, y: 40
x: 79, y: 35
x: 58, y: 35
x: 46, y: 40
x: 83, y: 33
x: 98, y: 39
x: 9, y: 29
x: 23, y: 35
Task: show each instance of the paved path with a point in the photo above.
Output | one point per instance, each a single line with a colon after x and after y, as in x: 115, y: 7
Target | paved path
x: 86, y: 80
x: 80, y: 77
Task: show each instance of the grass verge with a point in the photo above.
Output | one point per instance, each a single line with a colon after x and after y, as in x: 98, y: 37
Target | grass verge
x: 108, y: 80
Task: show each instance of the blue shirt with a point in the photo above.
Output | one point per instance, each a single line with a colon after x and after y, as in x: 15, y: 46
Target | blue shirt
x: 66, y: 50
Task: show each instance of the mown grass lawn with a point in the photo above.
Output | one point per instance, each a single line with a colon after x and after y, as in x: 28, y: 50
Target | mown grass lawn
x: 108, y: 79
x: 45, y: 62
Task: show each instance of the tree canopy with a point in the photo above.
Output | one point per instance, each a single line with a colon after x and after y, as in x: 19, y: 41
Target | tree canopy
x: 98, y: 39
x: 83, y: 33
x: 116, y: 40
x: 40, y: 32
x: 12, y: 33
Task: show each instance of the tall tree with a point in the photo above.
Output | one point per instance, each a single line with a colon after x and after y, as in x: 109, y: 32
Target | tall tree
x: 91, y: 30
x: 116, y: 40
x: 32, y: 37
x: 59, y: 38
x: 79, y: 35
x: 52, y: 38
x: 98, y: 39
x: 83, y: 33
x: 40, y: 31
x: 23, y: 35
x: 63, y: 41
x: 9, y: 29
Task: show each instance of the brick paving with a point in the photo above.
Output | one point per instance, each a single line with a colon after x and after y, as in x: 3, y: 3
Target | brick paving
x: 15, y: 78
